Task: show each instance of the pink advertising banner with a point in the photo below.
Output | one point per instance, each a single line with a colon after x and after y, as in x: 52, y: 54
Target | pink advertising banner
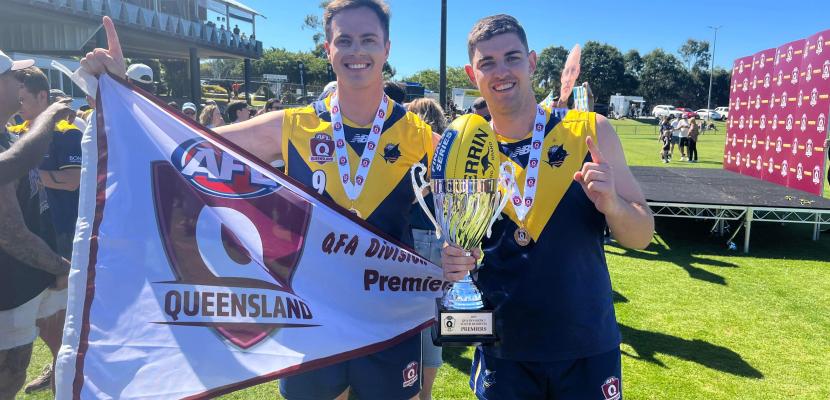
x: 779, y: 103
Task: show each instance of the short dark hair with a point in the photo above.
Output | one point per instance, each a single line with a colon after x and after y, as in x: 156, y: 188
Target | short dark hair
x: 273, y: 104
x: 479, y: 103
x: 377, y: 6
x: 233, y: 108
x: 33, y: 79
x: 494, y: 25
x: 395, y: 90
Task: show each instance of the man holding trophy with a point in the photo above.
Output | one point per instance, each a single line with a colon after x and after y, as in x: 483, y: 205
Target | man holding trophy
x: 543, y: 270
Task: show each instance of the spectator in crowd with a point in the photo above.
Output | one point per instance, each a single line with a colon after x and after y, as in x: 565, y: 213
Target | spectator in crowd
x: 665, y: 143
x: 189, y: 109
x: 211, y: 116
x: 236, y: 29
x: 426, y: 243
x: 395, y: 90
x: 173, y: 105
x: 60, y: 174
x: 29, y: 266
x: 272, y: 105
x: 683, y: 134
x: 694, y: 132
x: 480, y: 108
x: 238, y: 112
x: 675, y: 132
x: 28, y: 151
x: 141, y: 75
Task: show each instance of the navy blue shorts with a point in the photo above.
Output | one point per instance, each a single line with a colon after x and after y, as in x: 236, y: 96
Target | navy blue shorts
x: 391, y: 374
x: 597, y: 377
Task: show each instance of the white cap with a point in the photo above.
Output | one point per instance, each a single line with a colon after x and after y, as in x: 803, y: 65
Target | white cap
x: 7, y: 64
x: 189, y: 106
x: 140, y: 73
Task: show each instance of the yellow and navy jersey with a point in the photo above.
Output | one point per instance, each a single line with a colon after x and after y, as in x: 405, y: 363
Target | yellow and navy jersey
x: 552, y: 298
x: 387, y: 197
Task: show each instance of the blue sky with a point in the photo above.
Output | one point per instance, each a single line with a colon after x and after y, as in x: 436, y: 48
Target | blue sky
x: 748, y: 26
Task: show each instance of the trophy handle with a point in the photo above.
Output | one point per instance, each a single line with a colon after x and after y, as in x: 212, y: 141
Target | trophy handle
x: 503, y: 197
x: 419, y: 193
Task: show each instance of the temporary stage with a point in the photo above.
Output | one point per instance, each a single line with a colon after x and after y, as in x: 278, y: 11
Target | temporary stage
x: 721, y: 195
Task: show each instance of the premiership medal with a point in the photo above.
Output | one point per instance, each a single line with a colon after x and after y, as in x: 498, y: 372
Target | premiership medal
x: 522, y: 202
x: 353, y: 188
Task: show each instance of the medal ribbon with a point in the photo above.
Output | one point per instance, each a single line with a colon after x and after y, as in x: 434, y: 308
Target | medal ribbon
x: 353, y: 189
x: 522, y: 202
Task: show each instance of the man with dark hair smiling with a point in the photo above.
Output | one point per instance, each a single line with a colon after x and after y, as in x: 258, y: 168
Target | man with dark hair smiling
x: 544, y: 269
x: 360, y: 117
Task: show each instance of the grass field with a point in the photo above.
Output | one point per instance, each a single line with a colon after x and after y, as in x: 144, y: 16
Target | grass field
x: 698, y: 321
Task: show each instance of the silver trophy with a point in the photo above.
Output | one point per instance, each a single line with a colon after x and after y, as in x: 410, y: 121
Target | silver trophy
x: 465, y: 209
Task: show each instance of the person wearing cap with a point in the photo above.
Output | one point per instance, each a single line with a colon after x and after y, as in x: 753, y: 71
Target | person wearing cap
x: 141, y: 75
x: 60, y: 175
x: 189, y: 109
x: 30, y: 267
x: 27, y: 152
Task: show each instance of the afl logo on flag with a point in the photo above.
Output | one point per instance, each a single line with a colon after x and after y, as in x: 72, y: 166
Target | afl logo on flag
x: 215, y: 172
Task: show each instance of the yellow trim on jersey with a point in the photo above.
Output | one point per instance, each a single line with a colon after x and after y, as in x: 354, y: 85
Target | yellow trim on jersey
x: 553, y: 181
x: 61, y: 127
x: 20, y: 129
x: 413, y: 136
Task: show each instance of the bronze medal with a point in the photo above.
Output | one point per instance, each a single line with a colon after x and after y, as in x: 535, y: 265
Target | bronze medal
x: 522, y: 236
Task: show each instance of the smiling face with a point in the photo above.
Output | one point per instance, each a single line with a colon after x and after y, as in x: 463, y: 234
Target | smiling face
x: 501, y: 68
x: 357, y: 48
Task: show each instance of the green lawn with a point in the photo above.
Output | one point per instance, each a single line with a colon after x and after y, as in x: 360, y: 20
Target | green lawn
x: 698, y: 321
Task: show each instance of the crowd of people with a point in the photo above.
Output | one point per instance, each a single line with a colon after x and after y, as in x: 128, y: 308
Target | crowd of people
x: 679, y: 132
x: 570, y: 347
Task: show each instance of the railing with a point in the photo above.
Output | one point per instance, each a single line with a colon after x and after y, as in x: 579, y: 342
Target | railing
x: 152, y: 20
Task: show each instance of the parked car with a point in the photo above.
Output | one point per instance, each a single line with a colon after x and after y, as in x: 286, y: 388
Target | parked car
x: 723, y: 111
x: 708, y: 114
x: 665, y: 110
x: 686, y: 112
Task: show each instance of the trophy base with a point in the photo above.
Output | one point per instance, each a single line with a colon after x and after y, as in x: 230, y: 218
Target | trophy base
x: 463, y: 327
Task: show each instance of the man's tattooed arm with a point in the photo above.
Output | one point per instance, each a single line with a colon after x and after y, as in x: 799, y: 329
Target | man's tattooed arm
x: 19, y: 242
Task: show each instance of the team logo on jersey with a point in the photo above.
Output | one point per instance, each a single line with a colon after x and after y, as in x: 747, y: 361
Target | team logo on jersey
x: 556, y: 155
x: 391, y: 153
x: 611, y: 389
x: 814, y: 97
x: 322, y: 149
x: 214, y: 267
x: 217, y: 173
x: 410, y: 374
